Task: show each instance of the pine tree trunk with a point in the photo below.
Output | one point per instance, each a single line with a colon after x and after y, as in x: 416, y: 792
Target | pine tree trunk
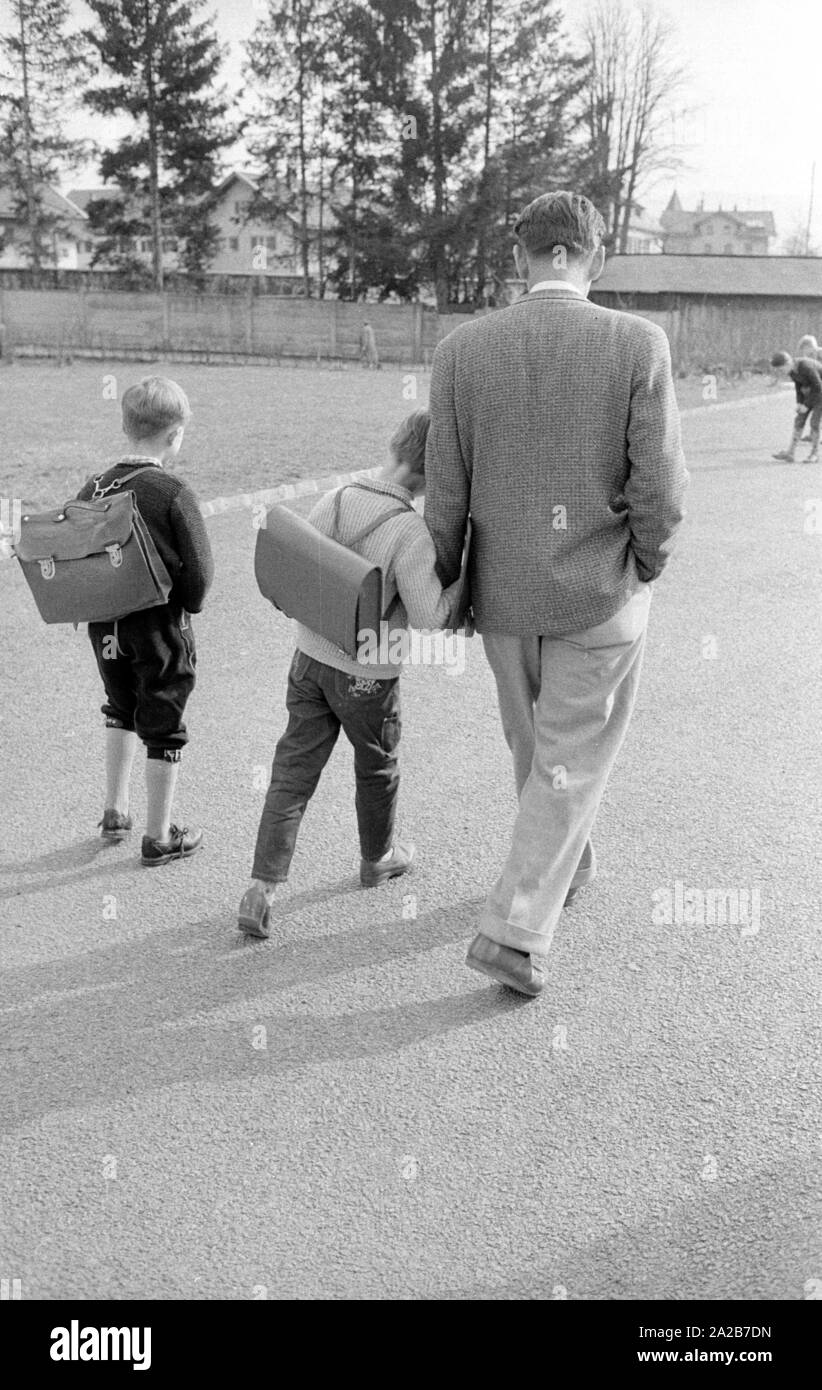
x: 352, y: 246
x: 35, y: 249
x: 321, y: 206
x: 438, y: 163
x: 153, y: 157
x: 486, y: 153
x: 302, y: 158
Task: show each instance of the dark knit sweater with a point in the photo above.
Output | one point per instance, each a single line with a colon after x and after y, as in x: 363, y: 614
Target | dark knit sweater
x: 807, y: 378
x: 172, y: 514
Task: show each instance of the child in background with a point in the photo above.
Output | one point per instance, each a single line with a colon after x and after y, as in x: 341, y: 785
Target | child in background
x: 147, y: 659
x: 808, y: 347
x: 806, y: 377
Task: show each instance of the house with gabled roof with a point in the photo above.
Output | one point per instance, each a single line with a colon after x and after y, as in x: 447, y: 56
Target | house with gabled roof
x: 258, y: 244
x: 249, y: 243
x: 715, y: 232
x: 62, y: 243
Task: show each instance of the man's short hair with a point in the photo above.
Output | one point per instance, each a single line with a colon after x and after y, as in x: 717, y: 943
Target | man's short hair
x: 560, y: 219
x: 809, y: 342
x: 780, y: 359
x: 409, y: 439
x: 156, y: 404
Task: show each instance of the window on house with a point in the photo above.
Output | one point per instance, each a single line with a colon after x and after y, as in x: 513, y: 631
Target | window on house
x: 257, y: 241
x: 708, y: 228
x: 239, y: 209
x: 169, y: 243
x: 708, y: 249
x: 748, y: 248
x: 729, y: 250
x: 233, y: 243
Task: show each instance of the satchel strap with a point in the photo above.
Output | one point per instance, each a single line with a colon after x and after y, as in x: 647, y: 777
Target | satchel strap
x: 117, y: 482
x: 372, y: 525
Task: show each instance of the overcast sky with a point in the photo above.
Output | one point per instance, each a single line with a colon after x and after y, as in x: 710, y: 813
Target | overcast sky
x: 755, y: 80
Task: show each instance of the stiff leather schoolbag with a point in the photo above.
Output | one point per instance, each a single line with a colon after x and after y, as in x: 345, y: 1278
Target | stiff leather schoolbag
x: 326, y: 586
x: 95, y: 561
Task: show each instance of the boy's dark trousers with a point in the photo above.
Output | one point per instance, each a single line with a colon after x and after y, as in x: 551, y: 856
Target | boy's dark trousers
x: 320, y: 701
x: 148, y: 662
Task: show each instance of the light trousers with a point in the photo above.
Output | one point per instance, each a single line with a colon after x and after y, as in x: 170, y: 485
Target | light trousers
x: 565, y: 704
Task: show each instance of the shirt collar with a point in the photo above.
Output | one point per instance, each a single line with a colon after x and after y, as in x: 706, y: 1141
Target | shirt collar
x: 556, y: 285
x: 390, y: 489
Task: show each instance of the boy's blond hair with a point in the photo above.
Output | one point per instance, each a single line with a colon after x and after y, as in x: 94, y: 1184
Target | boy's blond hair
x: 409, y: 439
x: 156, y: 404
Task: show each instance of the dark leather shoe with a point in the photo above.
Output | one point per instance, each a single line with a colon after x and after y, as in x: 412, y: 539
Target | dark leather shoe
x: 255, y: 915
x: 585, y: 873
x: 181, y: 844
x: 373, y: 874
x: 114, y: 825
x: 516, y: 969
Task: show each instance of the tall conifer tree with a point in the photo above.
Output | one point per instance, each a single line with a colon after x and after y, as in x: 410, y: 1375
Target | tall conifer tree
x: 161, y: 60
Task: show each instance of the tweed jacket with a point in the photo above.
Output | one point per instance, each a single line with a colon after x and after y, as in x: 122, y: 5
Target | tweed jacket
x: 555, y: 425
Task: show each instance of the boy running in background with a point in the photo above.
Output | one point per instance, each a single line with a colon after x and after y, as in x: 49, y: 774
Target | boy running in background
x: 147, y: 660
x: 805, y: 374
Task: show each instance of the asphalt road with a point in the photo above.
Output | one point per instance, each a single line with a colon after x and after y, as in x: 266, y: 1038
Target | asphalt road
x: 345, y: 1111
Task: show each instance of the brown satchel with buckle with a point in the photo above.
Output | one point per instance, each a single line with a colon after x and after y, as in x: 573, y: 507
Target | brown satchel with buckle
x: 95, y: 561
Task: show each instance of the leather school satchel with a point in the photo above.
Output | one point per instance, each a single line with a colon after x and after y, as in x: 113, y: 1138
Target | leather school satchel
x: 326, y: 586
x: 95, y: 561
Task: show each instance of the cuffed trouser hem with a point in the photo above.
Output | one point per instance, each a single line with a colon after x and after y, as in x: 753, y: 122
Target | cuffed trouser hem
x: 267, y: 875
x: 536, y: 943
x: 163, y: 755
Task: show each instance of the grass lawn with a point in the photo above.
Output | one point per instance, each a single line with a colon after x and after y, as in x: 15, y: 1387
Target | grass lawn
x: 252, y: 427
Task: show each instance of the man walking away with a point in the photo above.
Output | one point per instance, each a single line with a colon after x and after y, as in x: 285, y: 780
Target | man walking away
x: 554, y: 424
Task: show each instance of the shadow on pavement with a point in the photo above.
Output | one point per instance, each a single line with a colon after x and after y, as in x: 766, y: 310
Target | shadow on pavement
x: 68, y: 857
x: 129, y: 1018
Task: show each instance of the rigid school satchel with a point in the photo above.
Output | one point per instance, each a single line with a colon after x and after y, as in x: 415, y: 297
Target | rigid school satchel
x: 93, y: 562
x: 323, y: 584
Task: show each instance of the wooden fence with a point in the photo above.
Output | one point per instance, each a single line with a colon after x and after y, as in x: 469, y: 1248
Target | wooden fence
x: 112, y: 322
x: 738, y: 333
x: 735, y: 333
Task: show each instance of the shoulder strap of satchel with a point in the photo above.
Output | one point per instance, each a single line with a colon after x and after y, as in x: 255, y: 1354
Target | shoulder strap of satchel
x: 372, y: 525
x: 118, y: 482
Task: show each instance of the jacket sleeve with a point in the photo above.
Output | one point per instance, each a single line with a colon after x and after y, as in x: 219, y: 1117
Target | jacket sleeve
x: 194, y: 549
x: 426, y: 602
x: 447, y: 478
x: 658, y: 478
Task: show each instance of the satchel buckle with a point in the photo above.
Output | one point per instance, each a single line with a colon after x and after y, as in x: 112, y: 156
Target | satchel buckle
x: 100, y: 492
x: 47, y: 568
x: 115, y: 554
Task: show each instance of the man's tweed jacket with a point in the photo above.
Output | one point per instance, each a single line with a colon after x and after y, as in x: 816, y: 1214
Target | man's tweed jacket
x: 554, y: 423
